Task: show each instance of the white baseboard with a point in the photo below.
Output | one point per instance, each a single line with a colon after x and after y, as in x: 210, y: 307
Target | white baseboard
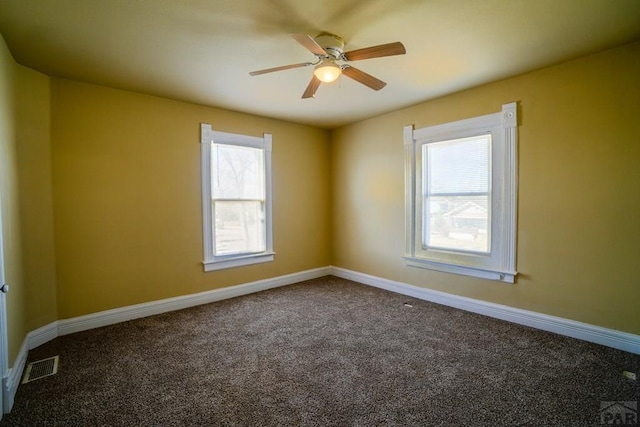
x: 110, y: 317
x: 584, y: 331
x: 42, y: 335
x: 12, y: 379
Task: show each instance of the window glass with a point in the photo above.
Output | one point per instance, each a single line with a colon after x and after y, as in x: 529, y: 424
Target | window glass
x: 237, y: 172
x: 457, y: 202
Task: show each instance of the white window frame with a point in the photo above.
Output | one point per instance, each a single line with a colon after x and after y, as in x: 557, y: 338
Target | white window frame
x: 208, y: 137
x: 500, y: 263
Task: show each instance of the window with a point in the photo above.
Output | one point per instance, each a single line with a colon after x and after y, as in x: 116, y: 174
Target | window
x: 236, y: 199
x: 461, y: 197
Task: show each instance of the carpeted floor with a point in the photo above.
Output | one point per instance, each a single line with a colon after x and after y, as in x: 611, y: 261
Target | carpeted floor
x: 326, y: 352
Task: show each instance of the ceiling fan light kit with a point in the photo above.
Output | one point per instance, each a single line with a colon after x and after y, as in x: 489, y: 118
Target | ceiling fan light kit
x: 327, y: 71
x: 329, y: 51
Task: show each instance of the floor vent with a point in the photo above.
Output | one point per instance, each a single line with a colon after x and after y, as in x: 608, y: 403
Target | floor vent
x: 40, y: 369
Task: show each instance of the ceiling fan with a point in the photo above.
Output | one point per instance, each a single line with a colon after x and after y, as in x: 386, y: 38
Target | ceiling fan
x: 330, y: 55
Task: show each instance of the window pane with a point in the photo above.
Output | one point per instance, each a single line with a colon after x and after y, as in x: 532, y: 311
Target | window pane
x: 239, y: 227
x: 458, y: 223
x: 237, y: 172
x: 458, y: 165
x: 456, y: 176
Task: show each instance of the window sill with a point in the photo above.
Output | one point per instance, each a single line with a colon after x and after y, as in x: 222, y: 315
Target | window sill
x: 238, y: 261
x: 502, y: 276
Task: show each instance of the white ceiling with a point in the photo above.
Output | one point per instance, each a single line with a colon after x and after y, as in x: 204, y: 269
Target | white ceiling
x: 201, y: 51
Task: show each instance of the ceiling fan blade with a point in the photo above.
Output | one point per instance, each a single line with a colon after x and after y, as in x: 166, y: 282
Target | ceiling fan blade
x: 314, y: 84
x: 309, y: 43
x: 364, y: 78
x: 389, y: 49
x: 284, y: 67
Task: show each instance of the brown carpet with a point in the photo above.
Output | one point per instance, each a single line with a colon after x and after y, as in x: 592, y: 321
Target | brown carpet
x: 326, y: 352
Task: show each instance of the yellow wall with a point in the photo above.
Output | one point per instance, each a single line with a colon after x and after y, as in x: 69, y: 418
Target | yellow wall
x: 25, y: 192
x: 9, y: 202
x: 127, y: 197
x: 579, y: 197
x: 33, y: 135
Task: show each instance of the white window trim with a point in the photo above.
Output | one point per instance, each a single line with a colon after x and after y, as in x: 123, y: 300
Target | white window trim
x: 208, y: 136
x: 503, y: 266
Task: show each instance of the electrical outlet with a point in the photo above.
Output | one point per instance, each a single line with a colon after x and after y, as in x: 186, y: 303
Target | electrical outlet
x: 629, y: 375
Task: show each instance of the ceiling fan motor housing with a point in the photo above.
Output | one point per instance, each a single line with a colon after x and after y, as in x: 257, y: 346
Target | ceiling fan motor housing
x: 332, y: 44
